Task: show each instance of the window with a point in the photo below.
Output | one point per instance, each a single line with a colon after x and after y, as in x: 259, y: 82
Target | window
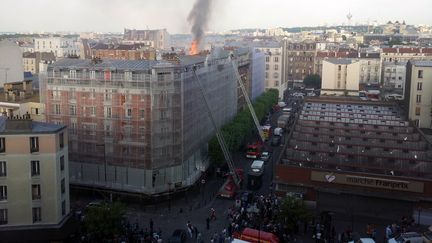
x: 419, y: 86
x: 63, y: 186
x: 3, y: 216
x: 35, y: 168
x: 266, y: 75
x: 3, y: 168
x: 34, y: 144
x: 129, y: 112
x: 92, y: 110
x: 72, y: 110
x: 61, y: 138
x: 36, y: 192
x: 276, y: 59
x: 267, y: 67
x: 276, y: 67
x: 339, y: 67
x: 276, y: 75
x: 142, y: 114
x: 92, y: 74
x: 418, y: 98
x: 56, y: 109
x: 267, y: 59
x: 63, y: 207
x: 420, y: 74
x: 108, y: 112
x: 37, y: 214
x: 2, y: 145
x: 108, y: 95
x: 417, y: 111
x: 3, y: 193
x: 62, y: 163
x: 72, y: 93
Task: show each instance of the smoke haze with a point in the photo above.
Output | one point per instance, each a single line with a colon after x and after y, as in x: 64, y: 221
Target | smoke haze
x: 198, y: 18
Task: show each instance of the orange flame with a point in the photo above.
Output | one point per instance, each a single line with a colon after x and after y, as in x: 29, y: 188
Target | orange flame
x: 194, y: 48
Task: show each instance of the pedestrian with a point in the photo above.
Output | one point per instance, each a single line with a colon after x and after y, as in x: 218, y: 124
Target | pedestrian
x: 195, y: 231
x: 151, y: 226
x: 208, y: 223
x: 213, y: 214
x: 189, y: 228
x: 198, y: 239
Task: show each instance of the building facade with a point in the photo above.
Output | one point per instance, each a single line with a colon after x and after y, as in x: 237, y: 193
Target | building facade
x: 135, y: 51
x: 60, y: 46
x: 340, y: 77
x: 258, y: 73
x: 11, y: 67
x: 139, y: 126
x: 405, y: 54
x: 370, y: 68
x: 159, y: 39
x: 301, y: 57
x: 418, y: 93
x: 393, y: 76
x: 34, y: 178
x: 275, y: 66
x: 322, y: 55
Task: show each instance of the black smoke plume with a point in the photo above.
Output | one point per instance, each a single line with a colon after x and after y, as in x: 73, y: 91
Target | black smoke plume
x: 199, y: 17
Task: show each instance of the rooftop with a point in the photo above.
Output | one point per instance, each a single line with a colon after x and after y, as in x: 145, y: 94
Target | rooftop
x: 341, y: 61
x: 358, y: 137
x: 131, y: 65
x: 422, y: 63
x: 36, y: 127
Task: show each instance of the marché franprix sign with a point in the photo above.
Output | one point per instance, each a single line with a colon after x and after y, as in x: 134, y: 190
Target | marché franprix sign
x: 374, y: 182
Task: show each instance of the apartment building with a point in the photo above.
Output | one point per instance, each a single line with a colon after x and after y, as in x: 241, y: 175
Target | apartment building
x: 32, y: 60
x: 301, y: 56
x: 34, y: 178
x: 340, y: 77
x: 418, y: 93
x: 275, y: 66
x: 322, y: 55
x: 405, y: 54
x: 136, y: 51
x: 11, y: 67
x: 139, y: 126
x: 370, y: 67
x: 393, y: 76
x: 159, y: 39
x: 60, y: 46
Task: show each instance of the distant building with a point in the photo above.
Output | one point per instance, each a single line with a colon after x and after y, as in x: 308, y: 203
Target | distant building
x: 16, y: 91
x: 11, y: 67
x: 159, y: 39
x: 322, y: 55
x: 258, y: 73
x: 32, y: 60
x: 275, y: 66
x: 393, y: 76
x: 301, y: 56
x: 136, y: 51
x: 139, y: 126
x: 405, y: 54
x: 340, y: 77
x: 370, y: 67
x: 60, y: 46
x: 418, y: 93
x: 34, y: 176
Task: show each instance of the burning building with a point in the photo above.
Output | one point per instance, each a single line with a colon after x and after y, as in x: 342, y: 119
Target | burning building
x: 139, y: 126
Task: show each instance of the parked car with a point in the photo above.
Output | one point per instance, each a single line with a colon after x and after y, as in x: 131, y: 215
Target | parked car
x: 275, y: 141
x: 265, y: 156
x: 178, y: 236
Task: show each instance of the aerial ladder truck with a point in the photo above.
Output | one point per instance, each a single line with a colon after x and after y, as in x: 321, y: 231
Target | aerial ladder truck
x: 233, y: 182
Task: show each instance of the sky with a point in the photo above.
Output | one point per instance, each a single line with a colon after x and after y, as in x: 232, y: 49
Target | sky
x: 114, y: 15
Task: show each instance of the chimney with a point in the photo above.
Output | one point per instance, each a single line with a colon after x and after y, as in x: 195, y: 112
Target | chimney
x: 19, y: 123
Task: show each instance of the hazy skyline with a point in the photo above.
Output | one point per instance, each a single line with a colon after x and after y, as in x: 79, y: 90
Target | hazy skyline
x: 114, y: 15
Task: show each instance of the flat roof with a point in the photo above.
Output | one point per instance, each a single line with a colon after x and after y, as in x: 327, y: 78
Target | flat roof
x: 37, y: 127
x: 133, y: 65
x: 341, y: 61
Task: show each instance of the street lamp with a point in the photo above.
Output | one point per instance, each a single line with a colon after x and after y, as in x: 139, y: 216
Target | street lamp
x: 169, y: 196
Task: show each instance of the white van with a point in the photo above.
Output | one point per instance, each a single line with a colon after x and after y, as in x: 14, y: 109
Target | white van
x: 257, y: 166
x: 409, y: 237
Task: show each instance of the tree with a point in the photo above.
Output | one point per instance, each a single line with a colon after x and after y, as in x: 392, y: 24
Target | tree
x: 104, y: 221
x: 292, y: 210
x: 312, y: 81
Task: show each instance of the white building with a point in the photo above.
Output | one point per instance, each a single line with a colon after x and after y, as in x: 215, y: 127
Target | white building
x: 275, y: 67
x: 394, y: 75
x: 60, y: 46
x: 418, y: 93
x: 11, y: 66
x: 340, y: 77
x: 370, y: 68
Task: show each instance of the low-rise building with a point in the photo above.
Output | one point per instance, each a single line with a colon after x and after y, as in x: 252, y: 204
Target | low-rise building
x: 340, y: 77
x: 393, y: 77
x: 346, y: 154
x: 418, y: 93
x: 32, y: 60
x: 60, y: 46
x: 34, y: 178
x: 136, y: 51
